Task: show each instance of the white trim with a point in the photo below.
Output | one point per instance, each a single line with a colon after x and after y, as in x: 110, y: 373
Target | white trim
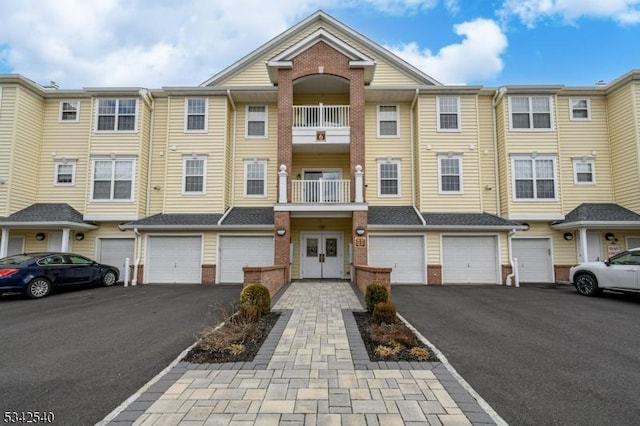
x: 533, y: 158
x: 264, y: 171
x: 397, y: 120
x: 572, y: 101
x: 115, y: 124
x: 535, y: 217
x: 113, y: 160
x: 592, y: 163
x: 626, y: 240
x: 397, y: 162
x: 266, y: 122
x: 319, y: 208
x: 531, y: 112
x: 458, y: 115
x: 22, y: 245
x: 460, y: 173
x: 64, y: 162
x: 598, y: 225
x: 60, y: 111
x: 186, y: 115
x: 203, y: 158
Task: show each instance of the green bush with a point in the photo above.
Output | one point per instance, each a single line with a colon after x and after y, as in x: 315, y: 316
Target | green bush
x: 375, y: 294
x: 249, y: 312
x: 384, y: 313
x: 256, y: 294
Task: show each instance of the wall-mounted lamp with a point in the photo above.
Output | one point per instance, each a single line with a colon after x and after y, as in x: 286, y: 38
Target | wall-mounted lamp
x: 360, y: 231
x: 281, y: 232
x: 609, y: 236
x: 79, y: 236
x: 568, y: 236
x: 156, y: 187
x: 40, y: 236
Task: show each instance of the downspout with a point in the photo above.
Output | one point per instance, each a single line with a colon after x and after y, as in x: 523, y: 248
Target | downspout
x: 496, y: 98
x: 134, y: 281
x: 151, y: 103
x: 514, y: 265
x: 233, y: 150
x: 413, y: 142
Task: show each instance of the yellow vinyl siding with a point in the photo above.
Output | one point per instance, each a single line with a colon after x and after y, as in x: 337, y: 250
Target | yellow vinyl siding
x: 89, y: 246
x: 381, y: 148
x: 159, y: 151
x: 487, y: 155
x: 502, y: 123
x: 183, y: 144
x: 228, y: 157
x: 7, y: 123
x: 417, y: 157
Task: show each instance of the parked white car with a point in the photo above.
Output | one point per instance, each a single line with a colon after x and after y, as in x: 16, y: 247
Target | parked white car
x: 620, y: 273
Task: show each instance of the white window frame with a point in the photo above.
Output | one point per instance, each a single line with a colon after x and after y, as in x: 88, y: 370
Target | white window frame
x: 187, y: 114
x: 398, y: 178
x: 56, y: 172
x: 246, y: 177
x: 266, y: 121
x: 379, y: 118
x: 457, y: 113
x: 531, y: 113
x: 580, y: 161
x: 186, y: 158
x: 116, y: 115
x: 572, y: 108
x: 533, y: 159
x: 440, y: 174
x: 113, y: 160
x: 76, y: 104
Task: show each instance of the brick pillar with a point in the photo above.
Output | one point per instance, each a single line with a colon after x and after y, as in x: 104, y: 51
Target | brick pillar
x: 281, y: 252
x: 285, y: 123
x: 359, y: 252
x: 356, y: 118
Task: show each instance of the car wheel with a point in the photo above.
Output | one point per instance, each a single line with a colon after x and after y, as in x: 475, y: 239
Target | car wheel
x: 38, y: 288
x: 109, y: 278
x: 586, y: 284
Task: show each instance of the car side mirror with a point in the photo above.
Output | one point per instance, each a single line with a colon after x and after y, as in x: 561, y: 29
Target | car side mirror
x: 607, y: 262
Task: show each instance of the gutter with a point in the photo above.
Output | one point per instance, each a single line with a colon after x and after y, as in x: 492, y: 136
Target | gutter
x: 198, y: 227
x: 597, y: 224
x: 496, y: 98
x: 151, y: 104
x: 233, y: 150
x: 413, y: 143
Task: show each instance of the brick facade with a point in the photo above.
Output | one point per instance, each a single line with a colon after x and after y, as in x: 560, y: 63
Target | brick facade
x: 434, y: 274
x: 208, y: 274
x: 272, y: 277
x: 366, y: 275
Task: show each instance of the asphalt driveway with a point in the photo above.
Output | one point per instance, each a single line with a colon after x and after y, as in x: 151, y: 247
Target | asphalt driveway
x: 80, y: 354
x: 537, y: 354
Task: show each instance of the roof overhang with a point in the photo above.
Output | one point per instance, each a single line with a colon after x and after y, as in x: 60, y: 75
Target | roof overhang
x: 597, y: 225
x: 47, y: 225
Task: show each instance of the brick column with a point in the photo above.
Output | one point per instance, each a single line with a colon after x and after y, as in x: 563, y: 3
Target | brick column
x: 356, y: 118
x: 281, y: 246
x: 285, y: 123
x: 359, y: 252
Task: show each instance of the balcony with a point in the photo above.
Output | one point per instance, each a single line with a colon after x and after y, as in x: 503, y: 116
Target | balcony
x: 320, y: 128
x: 320, y: 191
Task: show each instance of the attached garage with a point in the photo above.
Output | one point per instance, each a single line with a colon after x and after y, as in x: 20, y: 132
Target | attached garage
x: 173, y: 259
x: 535, y: 264
x: 236, y: 252
x: 115, y: 251
x: 404, y: 254
x: 470, y: 260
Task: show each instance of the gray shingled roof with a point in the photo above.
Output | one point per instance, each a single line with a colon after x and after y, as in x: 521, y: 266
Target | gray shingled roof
x: 467, y: 220
x: 601, y: 212
x: 177, y: 220
x: 249, y: 216
x: 401, y: 215
x: 46, y: 212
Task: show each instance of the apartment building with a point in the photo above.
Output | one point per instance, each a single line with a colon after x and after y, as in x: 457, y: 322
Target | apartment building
x: 318, y: 152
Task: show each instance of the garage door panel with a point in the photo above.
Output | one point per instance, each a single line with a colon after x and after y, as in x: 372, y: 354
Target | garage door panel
x: 236, y: 252
x: 534, y: 259
x: 174, y: 260
x: 404, y: 254
x: 115, y: 251
x: 470, y: 260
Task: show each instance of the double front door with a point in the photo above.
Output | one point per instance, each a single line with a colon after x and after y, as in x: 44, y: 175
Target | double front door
x: 322, y: 255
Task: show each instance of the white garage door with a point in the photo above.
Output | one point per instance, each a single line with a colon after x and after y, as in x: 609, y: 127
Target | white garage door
x: 470, y: 260
x: 237, y: 252
x: 404, y: 254
x: 16, y: 246
x: 534, y: 259
x: 114, y: 251
x: 174, y: 260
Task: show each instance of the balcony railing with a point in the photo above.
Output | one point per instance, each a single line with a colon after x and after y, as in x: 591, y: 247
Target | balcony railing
x: 320, y: 191
x: 320, y: 116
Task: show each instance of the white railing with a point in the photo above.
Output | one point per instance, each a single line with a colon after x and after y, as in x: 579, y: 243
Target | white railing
x: 314, y: 116
x: 320, y: 191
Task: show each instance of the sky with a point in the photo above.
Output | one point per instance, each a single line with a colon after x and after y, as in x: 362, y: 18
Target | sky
x: 163, y: 43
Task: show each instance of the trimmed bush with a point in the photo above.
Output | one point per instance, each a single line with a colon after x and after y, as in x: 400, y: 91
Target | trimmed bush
x: 249, y: 312
x: 256, y: 294
x: 384, y: 313
x: 375, y: 294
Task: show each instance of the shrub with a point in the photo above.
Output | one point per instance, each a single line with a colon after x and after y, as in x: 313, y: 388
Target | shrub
x: 249, y: 312
x: 384, y: 312
x: 375, y: 294
x: 256, y: 294
x: 422, y: 354
x: 385, y: 334
x: 236, y: 348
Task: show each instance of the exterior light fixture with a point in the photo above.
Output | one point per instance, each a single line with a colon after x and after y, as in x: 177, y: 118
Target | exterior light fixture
x: 40, y: 236
x: 281, y: 232
x: 360, y: 231
x: 609, y: 236
x: 568, y: 236
x: 79, y: 236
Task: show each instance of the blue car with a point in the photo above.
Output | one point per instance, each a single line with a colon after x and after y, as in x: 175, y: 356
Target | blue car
x: 36, y: 274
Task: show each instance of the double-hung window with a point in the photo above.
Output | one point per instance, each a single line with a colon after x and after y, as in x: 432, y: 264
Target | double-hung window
x: 117, y: 115
x: 580, y: 109
x: 448, y: 113
x: 194, y: 172
x: 257, y: 121
x: 196, y: 115
x: 255, y: 172
x: 389, y: 178
x: 534, y: 178
x: 65, y: 171
x: 113, y: 179
x: 583, y: 171
x: 530, y: 112
x: 388, y: 121
x: 450, y: 173
x: 69, y: 111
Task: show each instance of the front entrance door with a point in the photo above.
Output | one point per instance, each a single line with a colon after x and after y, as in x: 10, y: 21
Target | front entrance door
x: 322, y: 255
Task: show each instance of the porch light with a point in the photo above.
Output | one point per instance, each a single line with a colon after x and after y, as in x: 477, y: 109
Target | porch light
x: 281, y: 232
x: 609, y: 236
x: 568, y: 236
x: 40, y: 236
x: 360, y: 231
x: 79, y: 236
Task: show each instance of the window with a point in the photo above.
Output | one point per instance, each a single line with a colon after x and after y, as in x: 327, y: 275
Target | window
x: 194, y: 171
x: 389, y: 178
x: 255, y: 178
x: 583, y: 171
x: 69, y: 110
x: 196, y: 114
x: 530, y: 112
x: 388, y: 120
x: 448, y: 113
x: 117, y: 114
x: 65, y: 171
x: 534, y: 178
x: 113, y: 179
x: 580, y: 109
x: 257, y: 121
x: 450, y: 173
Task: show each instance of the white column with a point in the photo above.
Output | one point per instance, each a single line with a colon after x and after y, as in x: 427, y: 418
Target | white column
x: 64, y: 246
x: 359, y: 184
x: 282, y: 184
x: 4, y: 243
x: 583, y: 244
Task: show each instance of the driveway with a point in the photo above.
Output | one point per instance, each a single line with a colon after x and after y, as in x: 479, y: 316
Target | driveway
x: 537, y: 354
x: 82, y: 353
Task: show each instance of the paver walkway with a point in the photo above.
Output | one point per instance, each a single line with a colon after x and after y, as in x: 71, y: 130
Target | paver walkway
x: 310, y: 379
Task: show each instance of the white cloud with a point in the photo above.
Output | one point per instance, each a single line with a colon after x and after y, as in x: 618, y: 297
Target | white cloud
x: 476, y: 57
x: 399, y: 6
x: 532, y: 11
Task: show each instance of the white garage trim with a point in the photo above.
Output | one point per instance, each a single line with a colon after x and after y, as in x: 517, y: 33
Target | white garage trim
x: 529, y: 262
x: 157, y: 270
x: 230, y: 260
x: 631, y: 241
x: 116, y: 259
x: 408, y: 263
x: 473, y: 272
